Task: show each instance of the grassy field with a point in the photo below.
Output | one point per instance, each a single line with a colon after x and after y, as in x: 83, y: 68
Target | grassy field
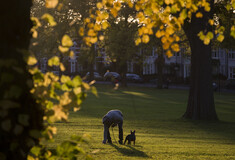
x: 160, y: 131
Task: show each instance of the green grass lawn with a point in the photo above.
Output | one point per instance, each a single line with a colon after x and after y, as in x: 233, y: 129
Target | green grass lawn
x: 160, y: 131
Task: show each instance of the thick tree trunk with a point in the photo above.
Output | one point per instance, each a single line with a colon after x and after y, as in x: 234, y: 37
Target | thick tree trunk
x: 19, y: 112
x: 201, y: 99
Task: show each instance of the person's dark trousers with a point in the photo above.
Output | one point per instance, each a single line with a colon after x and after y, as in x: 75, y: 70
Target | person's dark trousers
x: 109, y: 137
x: 120, y: 133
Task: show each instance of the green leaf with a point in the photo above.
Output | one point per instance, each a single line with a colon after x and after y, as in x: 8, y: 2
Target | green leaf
x: 54, y: 61
x: 65, y: 79
x: 35, y: 150
x: 210, y: 35
x: 183, y: 14
x: 66, y: 41
x: 220, y: 38
x: 77, y: 81
x: 221, y: 29
x: 201, y: 35
x: 49, y: 18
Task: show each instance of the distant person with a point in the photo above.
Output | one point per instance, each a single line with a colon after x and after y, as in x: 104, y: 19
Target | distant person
x: 113, y: 118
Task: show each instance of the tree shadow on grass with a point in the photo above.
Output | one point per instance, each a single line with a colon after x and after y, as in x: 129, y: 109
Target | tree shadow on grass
x: 128, y: 150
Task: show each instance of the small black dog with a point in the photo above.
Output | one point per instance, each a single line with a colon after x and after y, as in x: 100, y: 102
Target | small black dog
x: 130, y: 137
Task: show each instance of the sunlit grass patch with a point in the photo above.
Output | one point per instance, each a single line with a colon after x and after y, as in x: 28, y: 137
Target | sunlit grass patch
x: 160, y: 131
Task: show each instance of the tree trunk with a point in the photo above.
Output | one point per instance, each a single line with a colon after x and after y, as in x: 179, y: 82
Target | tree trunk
x: 19, y: 112
x: 201, y: 99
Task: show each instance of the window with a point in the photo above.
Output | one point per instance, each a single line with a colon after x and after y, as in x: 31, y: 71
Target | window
x: 232, y: 55
x: 215, y: 53
x: 232, y: 73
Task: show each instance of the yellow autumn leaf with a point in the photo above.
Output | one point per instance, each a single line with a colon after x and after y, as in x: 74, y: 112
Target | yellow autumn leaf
x: 81, y: 31
x: 66, y: 41
x: 62, y: 68
x: 114, y: 12
x: 59, y: 114
x: 117, y: 5
x: 170, y: 30
x: 101, y: 38
x: 167, y: 2
x: 206, y: 40
x: 177, y: 38
x: 49, y: 18
x: 199, y: 15
x: 34, y: 33
x: 91, y: 32
x: 99, y: 5
x: 87, y: 20
x: 211, y: 22
x: 77, y: 90
x: 207, y: 7
x: 85, y: 85
x: 137, y: 41
x: 51, y: 3
x: 64, y: 99
x: 163, y: 39
x: 105, y: 25
x: 154, y: 7
x: 93, y: 39
x: 65, y: 79
x: 145, y: 38
x: 90, y: 25
x: 63, y: 49
x: 97, y: 27
x: 130, y: 4
x: 169, y: 54
x: 31, y: 60
x: 158, y: 34
x: 71, y: 53
x: 175, y: 47
x: 54, y: 61
x: 166, y: 46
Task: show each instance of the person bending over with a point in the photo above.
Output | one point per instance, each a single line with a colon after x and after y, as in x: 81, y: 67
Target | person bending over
x: 113, y: 118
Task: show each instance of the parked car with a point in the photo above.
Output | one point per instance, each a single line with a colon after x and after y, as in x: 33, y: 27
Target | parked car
x: 97, y: 76
x: 230, y: 84
x: 134, y: 78
x: 109, y: 75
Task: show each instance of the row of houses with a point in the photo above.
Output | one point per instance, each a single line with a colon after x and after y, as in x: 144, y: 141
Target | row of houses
x: 176, y: 67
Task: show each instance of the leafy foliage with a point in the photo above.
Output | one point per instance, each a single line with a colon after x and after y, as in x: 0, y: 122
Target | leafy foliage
x: 168, y: 15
